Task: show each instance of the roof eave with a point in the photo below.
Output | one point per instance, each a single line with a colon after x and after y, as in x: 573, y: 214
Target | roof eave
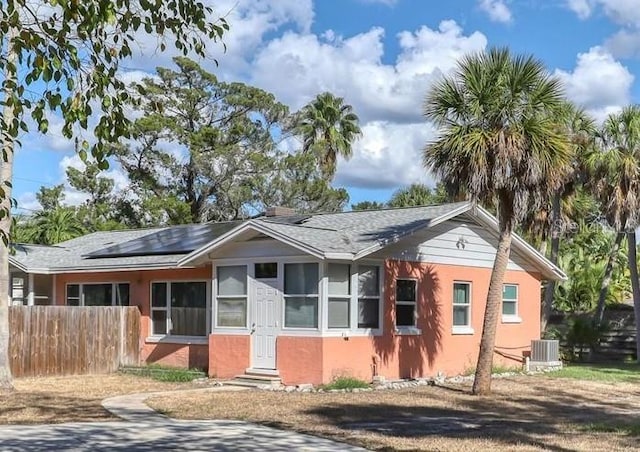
x: 249, y: 225
x: 434, y: 221
x: 547, y: 268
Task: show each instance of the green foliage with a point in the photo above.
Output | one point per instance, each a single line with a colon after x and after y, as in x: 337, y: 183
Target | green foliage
x: 619, y: 428
x: 578, y: 336
x: 418, y: 195
x: 165, y: 373
x: 583, y: 257
x: 49, y: 227
x: 368, y: 205
x: 71, y: 52
x: 346, y: 383
x: 50, y: 198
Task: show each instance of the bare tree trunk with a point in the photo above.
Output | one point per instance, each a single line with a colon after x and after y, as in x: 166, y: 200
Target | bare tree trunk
x: 547, y: 303
x: 598, y: 316
x: 482, y: 381
x: 6, y: 173
x: 635, y: 286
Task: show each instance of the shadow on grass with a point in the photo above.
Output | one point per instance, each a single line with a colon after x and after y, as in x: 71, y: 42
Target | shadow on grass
x: 506, y: 419
x: 19, y: 407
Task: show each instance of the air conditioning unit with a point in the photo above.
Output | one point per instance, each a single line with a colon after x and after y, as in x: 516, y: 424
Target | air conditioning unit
x: 545, y: 351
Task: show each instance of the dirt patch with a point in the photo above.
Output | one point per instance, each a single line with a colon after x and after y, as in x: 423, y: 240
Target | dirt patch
x: 71, y: 399
x: 525, y: 413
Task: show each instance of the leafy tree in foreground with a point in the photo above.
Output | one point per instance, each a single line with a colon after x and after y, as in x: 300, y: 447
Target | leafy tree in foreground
x: 328, y: 128
x: 617, y: 175
x: 70, y: 52
x: 499, y: 143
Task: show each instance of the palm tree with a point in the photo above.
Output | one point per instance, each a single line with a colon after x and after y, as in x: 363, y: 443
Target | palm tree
x: 568, y: 201
x: 418, y: 195
x: 617, y: 183
x: 498, y: 143
x: 54, y: 226
x: 328, y: 127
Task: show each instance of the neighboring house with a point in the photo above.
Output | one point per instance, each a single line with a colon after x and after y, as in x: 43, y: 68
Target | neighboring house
x: 396, y: 293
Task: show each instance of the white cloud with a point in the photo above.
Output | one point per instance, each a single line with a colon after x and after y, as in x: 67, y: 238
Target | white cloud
x: 353, y: 68
x: 388, y: 155
x: 497, y: 10
x: 582, y: 8
x: 624, y: 44
x: 599, y: 82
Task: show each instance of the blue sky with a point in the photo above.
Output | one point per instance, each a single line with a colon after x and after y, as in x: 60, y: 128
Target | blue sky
x: 382, y: 56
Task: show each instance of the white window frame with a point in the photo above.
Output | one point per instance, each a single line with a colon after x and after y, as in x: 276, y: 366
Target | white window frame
x: 320, y: 296
x: 114, y: 287
x: 406, y: 329
x: 462, y: 329
x: 169, y: 337
x: 511, y: 318
x: 238, y: 297
x: 348, y: 298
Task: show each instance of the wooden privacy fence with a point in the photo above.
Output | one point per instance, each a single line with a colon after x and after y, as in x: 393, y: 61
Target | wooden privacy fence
x: 64, y: 340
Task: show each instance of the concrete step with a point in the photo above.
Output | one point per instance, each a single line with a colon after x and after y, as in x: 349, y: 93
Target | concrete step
x: 252, y: 380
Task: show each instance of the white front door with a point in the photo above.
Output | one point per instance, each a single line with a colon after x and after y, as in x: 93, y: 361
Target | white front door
x: 265, y: 325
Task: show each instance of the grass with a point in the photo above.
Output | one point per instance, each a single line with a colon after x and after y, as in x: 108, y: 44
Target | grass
x: 625, y: 429
x: 71, y: 399
x: 165, y: 373
x: 525, y: 413
x: 607, y: 373
x: 346, y: 383
x: 496, y: 369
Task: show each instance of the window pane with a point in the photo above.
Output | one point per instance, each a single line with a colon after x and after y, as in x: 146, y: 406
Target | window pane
x: 461, y: 315
x: 232, y: 280
x: 159, y: 295
x: 301, y: 279
x: 98, y: 294
x: 232, y: 312
x: 509, y: 291
x: 73, y: 301
x: 338, y: 313
x: 404, y: 315
x: 189, y: 308
x: 158, y: 322
x: 460, y: 293
x: 509, y: 308
x: 73, y: 291
x: 368, y: 313
x: 405, y: 290
x: 339, y: 279
x: 267, y: 270
x: 368, y: 281
x: 122, y: 294
x: 301, y: 312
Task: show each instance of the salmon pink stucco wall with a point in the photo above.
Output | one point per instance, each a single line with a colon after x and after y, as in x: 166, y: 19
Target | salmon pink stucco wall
x: 436, y: 349
x: 173, y: 354
x: 229, y: 355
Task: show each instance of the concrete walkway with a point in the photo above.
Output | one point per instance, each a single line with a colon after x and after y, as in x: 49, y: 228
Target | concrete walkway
x: 144, y: 430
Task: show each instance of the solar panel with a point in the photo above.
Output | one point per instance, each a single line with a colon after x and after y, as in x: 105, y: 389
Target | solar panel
x: 172, y: 240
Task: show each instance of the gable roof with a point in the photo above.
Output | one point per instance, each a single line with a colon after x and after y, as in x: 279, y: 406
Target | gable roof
x: 345, y: 235
x: 357, y: 234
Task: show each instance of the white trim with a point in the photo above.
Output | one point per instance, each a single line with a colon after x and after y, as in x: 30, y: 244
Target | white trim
x: 81, y: 285
x: 413, y: 303
x: 407, y: 331
x: 114, y: 268
x: 13, y: 261
x: 31, y: 294
x: 169, y: 337
x: 462, y: 330
x: 511, y: 318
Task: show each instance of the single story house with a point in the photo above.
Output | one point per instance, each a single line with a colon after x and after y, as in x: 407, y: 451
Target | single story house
x: 394, y: 292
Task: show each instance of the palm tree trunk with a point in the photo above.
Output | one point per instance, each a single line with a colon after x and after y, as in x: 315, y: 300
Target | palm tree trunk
x: 482, y: 381
x: 6, y: 172
x: 547, y: 303
x: 635, y: 286
x: 598, y: 316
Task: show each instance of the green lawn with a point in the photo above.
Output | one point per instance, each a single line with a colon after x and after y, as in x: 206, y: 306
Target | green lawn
x: 612, y: 373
